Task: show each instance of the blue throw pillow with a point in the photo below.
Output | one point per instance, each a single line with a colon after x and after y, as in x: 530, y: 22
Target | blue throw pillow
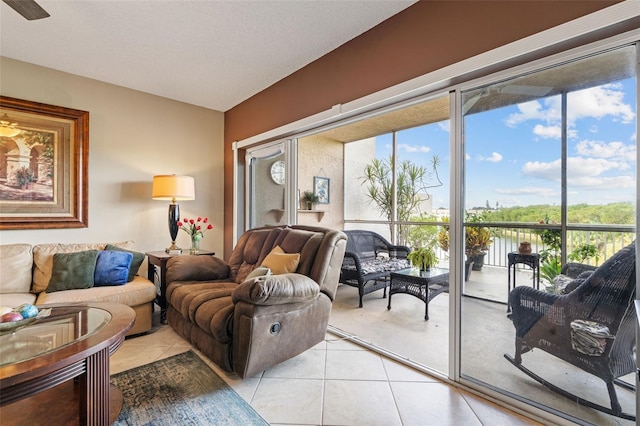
x: 138, y: 258
x: 112, y: 268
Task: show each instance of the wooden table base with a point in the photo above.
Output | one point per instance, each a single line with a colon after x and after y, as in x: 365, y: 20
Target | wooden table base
x: 56, y: 406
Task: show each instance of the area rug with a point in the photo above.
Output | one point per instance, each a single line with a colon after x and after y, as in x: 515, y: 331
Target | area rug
x: 180, y: 390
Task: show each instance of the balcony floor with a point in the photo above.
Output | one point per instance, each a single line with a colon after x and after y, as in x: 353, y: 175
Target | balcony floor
x: 487, y: 334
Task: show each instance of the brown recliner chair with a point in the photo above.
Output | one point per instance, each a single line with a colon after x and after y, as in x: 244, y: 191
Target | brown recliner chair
x: 249, y: 325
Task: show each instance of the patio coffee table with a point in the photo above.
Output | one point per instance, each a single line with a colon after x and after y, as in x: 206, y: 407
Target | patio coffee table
x: 56, y: 369
x: 425, y: 285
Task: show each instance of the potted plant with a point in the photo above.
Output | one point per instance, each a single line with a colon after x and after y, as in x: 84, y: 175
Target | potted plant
x: 310, y: 198
x: 476, y: 243
x: 423, y: 258
x: 443, y: 242
x: 25, y: 177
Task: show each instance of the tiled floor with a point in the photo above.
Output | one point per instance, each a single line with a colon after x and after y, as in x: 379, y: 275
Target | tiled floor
x: 335, y: 383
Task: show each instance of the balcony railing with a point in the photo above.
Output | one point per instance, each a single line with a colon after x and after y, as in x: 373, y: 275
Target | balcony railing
x: 507, y: 237
x: 608, y: 239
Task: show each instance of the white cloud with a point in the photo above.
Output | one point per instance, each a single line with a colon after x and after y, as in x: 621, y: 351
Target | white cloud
x: 611, y: 150
x: 553, y: 132
x: 576, y: 167
x: 413, y: 148
x: 547, y: 171
x: 581, y: 172
x: 445, y: 125
x: 596, y: 102
x: 530, y: 190
x: 527, y: 111
x: 594, y: 183
x: 494, y: 158
x: 599, y: 102
x: 547, y: 132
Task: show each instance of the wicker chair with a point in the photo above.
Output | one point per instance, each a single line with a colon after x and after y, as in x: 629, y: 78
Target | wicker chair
x: 552, y: 323
x: 369, y: 260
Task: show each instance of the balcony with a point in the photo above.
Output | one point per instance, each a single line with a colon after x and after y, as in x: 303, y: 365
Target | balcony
x: 487, y: 333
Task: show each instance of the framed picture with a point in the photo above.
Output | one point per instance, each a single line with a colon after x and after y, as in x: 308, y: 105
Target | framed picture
x: 44, y: 151
x: 321, y: 189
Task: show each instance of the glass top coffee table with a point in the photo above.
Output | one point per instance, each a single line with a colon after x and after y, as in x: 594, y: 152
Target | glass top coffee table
x: 425, y: 285
x: 63, y: 357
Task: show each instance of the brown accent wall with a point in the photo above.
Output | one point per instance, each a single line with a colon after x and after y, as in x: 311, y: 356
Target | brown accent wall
x: 425, y: 37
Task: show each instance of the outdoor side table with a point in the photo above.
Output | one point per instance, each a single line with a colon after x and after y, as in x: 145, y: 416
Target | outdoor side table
x: 530, y: 259
x: 425, y: 285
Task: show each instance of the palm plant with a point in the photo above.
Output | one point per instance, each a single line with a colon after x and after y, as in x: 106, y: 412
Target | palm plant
x: 411, y: 189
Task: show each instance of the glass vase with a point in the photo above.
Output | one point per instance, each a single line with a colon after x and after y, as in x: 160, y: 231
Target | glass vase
x: 195, y: 245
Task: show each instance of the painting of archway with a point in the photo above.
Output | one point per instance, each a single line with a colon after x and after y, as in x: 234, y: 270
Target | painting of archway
x: 43, y: 165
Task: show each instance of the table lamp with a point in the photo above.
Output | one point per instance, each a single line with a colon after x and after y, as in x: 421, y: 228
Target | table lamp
x: 173, y: 187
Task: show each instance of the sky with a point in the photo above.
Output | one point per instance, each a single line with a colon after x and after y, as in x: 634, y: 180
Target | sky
x: 513, y: 153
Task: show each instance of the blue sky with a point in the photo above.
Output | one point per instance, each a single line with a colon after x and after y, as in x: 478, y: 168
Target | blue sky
x: 513, y: 153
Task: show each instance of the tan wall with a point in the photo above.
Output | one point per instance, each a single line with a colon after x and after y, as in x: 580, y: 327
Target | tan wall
x: 324, y: 157
x: 133, y: 136
x: 425, y: 37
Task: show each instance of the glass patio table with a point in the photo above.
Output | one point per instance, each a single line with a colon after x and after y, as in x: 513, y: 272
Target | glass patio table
x: 425, y: 285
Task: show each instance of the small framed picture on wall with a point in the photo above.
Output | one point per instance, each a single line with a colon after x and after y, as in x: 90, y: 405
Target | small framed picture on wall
x: 321, y: 189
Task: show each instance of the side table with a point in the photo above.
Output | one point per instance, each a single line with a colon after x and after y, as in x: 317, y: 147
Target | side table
x: 159, y: 259
x: 425, y: 285
x: 530, y: 259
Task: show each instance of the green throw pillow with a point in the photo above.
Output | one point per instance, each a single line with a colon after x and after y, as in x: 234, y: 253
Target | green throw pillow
x: 73, y: 270
x: 138, y: 258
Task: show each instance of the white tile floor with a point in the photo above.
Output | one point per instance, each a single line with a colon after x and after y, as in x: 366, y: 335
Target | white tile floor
x: 335, y: 383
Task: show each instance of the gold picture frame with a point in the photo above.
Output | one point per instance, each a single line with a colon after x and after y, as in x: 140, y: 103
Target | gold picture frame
x: 44, y: 152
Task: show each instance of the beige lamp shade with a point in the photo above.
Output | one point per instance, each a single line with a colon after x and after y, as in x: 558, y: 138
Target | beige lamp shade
x: 173, y: 187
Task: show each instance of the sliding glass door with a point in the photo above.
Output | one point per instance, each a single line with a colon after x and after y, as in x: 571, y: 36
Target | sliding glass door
x: 532, y: 183
x: 396, y: 184
x: 551, y: 161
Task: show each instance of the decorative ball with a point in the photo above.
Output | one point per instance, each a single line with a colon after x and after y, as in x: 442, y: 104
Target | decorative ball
x: 11, y: 317
x: 27, y: 310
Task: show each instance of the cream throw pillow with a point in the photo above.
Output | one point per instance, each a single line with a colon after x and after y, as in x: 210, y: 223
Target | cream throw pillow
x: 280, y: 262
x: 260, y: 271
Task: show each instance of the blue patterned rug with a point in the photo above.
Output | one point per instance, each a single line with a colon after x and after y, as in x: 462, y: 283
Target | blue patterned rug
x: 180, y: 390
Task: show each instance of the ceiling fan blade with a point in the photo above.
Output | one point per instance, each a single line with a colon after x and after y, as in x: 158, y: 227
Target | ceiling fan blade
x: 29, y: 9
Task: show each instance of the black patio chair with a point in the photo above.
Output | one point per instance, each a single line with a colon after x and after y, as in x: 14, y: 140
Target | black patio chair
x: 593, y: 327
x: 369, y: 260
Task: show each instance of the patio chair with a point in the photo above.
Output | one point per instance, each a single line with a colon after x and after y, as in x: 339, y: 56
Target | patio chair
x: 369, y: 260
x: 593, y: 327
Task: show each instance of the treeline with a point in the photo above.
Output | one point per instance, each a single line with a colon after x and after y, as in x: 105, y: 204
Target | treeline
x: 614, y: 213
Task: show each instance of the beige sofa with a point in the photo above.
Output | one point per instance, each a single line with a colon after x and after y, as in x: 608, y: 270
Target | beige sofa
x: 246, y: 324
x: 25, y: 271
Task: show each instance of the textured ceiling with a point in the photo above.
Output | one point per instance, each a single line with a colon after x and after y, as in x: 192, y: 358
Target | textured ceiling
x: 209, y: 53
x: 427, y: 112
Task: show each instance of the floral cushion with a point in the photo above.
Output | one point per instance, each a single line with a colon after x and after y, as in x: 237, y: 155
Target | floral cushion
x: 564, y: 285
x: 380, y: 264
